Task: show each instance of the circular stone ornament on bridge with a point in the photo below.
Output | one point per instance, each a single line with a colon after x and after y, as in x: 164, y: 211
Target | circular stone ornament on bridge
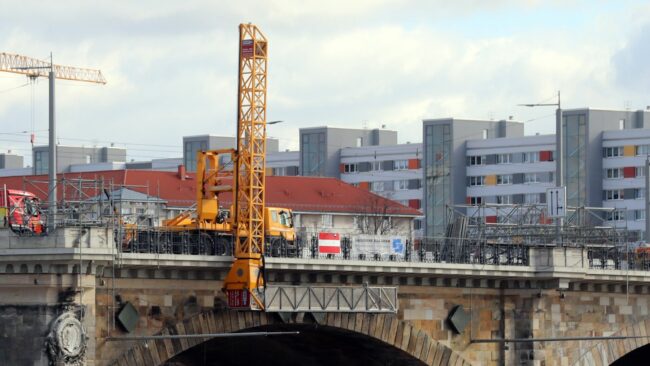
x: 67, y: 341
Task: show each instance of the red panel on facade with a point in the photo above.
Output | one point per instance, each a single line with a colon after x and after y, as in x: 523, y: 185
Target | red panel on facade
x: 629, y: 172
x: 342, y: 168
x: 364, y: 185
x: 545, y: 155
x: 491, y: 219
x: 414, y: 163
x: 414, y: 204
x: 468, y: 200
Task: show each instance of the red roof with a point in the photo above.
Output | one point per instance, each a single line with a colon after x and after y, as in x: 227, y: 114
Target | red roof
x: 303, y: 194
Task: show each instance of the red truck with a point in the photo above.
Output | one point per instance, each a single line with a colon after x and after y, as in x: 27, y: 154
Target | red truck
x: 20, y: 211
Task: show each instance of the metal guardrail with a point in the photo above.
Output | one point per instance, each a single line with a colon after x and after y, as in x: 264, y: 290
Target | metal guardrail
x: 331, y: 299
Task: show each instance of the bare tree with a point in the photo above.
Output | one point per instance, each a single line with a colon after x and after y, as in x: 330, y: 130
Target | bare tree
x: 375, y: 218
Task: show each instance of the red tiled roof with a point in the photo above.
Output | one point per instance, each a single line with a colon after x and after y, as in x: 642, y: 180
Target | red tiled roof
x: 306, y: 194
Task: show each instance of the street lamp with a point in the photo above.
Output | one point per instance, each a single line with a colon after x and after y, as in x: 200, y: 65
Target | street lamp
x: 559, y: 148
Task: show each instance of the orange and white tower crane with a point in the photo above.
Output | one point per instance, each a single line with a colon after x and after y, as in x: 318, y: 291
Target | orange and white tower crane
x: 244, y: 285
x: 34, y: 68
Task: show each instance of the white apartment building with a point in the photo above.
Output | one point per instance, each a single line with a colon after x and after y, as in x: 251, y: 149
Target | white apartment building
x: 391, y: 171
x: 623, y: 178
x: 509, y: 171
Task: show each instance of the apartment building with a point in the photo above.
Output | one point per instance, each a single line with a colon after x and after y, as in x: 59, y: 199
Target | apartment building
x: 509, y: 171
x: 392, y: 171
x: 624, y: 154
x: 444, y: 168
x: 193, y: 144
x: 320, y: 147
x: 66, y: 156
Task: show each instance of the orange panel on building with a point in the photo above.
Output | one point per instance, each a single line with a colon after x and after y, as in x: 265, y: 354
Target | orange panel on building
x: 364, y: 185
x: 629, y: 150
x: 414, y: 163
x: 490, y: 180
x: 269, y: 171
x: 629, y: 172
x: 545, y: 155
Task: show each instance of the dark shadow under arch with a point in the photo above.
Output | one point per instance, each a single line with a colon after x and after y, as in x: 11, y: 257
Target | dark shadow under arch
x: 385, y: 330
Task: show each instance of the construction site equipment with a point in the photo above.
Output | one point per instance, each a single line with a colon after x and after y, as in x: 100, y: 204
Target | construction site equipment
x: 20, y: 211
x: 35, y: 68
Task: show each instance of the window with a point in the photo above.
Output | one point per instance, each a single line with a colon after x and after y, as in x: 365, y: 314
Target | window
x: 613, y: 173
x: 313, y: 154
x: 612, y: 194
x: 377, y: 186
x: 350, y: 168
x: 401, y: 164
x: 326, y: 220
x: 531, y: 198
x: 475, y: 200
x: 639, y: 193
x: 417, y: 224
x: 401, y: 185
x: 274, y: 216
x: 639, y: 214
x: 621, y: 124
x: 485, y: 134
x: 504, y: 200
x: 611, y: 152
x: 189, y: 155
x: 641, y: 149
x: 504, y: 158
x: 375, y: 166
x: 504, y: 179
x: 41, y: 162
x: 531, y: 178
x: 530, y: 157
x: 639, y: 172
x: 618, y: 215
x: 475, y: 181
x: 475, y: 160
x: 359, y: 141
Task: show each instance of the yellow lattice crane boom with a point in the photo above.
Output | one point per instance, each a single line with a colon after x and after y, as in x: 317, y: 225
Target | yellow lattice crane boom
x: 244, y: 283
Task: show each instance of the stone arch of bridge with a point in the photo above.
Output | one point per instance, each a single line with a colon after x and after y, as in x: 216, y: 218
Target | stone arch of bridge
x: 386, y: 328
x: 608, y: 351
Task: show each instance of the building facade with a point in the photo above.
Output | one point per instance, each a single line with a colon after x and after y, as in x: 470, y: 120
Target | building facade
x: 66, y: 156
x: 391, y: 171
x: 444, y: 163
x: 194, y: 144
x: 320, y: 147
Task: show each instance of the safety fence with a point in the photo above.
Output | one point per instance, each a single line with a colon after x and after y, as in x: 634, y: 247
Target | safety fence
x: 329, y: 246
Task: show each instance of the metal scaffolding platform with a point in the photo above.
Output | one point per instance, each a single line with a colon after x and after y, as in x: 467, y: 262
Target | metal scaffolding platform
x: 331, y: 299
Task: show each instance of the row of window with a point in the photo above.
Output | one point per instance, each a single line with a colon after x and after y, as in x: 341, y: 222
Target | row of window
x: 396, y: 185
x: 616, y: 151
x: 622, y: 215
x: 627, y: 172
x: 510, y: 158
x: 620, y: 194
x: 528, y: 198
x: 378, y: 166
x: 506, y: 179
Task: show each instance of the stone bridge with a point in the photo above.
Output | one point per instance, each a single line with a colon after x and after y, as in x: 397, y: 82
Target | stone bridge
x: 79, y: 272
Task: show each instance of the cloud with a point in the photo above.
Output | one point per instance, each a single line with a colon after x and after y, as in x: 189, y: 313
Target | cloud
x: 172, y: 66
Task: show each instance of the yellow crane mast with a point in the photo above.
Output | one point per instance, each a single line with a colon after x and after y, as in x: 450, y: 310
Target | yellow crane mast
x: 244, y: 285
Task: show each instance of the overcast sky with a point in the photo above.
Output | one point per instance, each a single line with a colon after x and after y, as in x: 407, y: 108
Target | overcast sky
x: 171, y: 66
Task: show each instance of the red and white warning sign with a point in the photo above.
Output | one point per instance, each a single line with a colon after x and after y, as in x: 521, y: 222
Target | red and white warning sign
x: 329, y: 243
x: 247, y: 48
